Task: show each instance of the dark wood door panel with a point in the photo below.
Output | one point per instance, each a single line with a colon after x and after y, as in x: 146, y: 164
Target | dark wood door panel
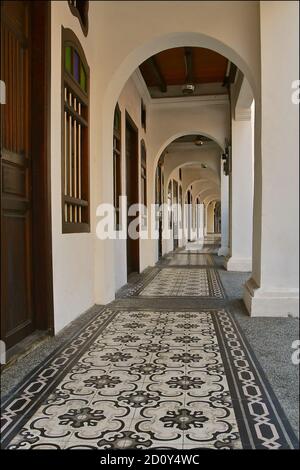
x: 17, y: 313
x: 17, y: 280
x: 132, y: 185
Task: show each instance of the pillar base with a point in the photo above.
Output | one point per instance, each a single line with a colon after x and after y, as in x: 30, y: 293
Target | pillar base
x: 223, y: 251
x: 238, y: 264
x: 276, y: 303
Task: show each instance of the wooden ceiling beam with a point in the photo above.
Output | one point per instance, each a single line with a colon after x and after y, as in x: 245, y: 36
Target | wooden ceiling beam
x: 158, y: 75
x: 232, y: 73
x: 230, y: 78
x: 188, y: 56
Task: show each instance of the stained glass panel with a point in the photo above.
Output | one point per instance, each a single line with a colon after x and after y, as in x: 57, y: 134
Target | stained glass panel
x: 82, y: 78
x: 68, y: 59
x: 76, y: 66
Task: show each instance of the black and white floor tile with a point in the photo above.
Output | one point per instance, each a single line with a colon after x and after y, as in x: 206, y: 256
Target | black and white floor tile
x: 188, y: 259
x: 138, y: 376
x: 184, y: 282
x: 148, y: 378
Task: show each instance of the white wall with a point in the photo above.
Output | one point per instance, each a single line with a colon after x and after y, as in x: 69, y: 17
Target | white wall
x: 73, y: 254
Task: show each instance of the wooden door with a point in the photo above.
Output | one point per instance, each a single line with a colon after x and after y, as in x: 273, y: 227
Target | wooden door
x: 175, y: 215
x: 189, y: 215
x: 16, y: 222
x: 25, y: 213
x: 132, y: 185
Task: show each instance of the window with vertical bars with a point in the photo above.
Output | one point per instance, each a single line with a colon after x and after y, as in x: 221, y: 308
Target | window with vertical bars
x: 117, y: 165
x: 170, y: 205
x: 143, y: 115
x: 144, y: 183
x: 143, y: 174
x: 75, y: 136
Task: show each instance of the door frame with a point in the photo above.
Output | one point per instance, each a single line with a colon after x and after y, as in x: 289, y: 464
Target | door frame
x: 176, y: 215
x: 130, y: 122
x: 39, y: 135
x: 41, y: 166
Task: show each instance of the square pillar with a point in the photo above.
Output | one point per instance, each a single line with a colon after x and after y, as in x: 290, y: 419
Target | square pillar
x: 273, y: 289
x: 224, y: 249
x: 241, y: 195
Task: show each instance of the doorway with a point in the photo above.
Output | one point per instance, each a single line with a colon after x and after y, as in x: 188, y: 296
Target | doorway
x: 26, y: 261
x: 132, y: 189
x: 159, y: 201
x: 175, y: 212
x: 189, y: 215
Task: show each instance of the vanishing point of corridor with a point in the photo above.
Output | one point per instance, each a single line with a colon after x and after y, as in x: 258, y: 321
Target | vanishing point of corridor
x: 166, y: 365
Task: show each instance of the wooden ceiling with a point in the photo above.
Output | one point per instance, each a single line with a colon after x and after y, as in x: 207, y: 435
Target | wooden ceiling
x: 172, y: 68
x: 191, y: 138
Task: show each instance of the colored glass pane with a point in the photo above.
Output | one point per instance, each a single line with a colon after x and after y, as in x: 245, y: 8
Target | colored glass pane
x: 82, y: 78
x: 76, y: 66
x: 68, y: 58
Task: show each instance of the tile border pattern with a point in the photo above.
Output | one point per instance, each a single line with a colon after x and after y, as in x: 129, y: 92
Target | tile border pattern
x: 167, y: 260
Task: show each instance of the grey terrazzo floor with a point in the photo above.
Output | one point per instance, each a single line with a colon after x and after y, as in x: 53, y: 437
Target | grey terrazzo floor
x: 270, y: 338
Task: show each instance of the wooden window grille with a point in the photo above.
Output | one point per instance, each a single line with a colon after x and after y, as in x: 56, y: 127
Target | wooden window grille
x: 80, y: 9
x: 144, y: 182
x: 143, y: 115
x: 143, y: 174
x: 117, y: 164
x: 75, y: 136
x: 170, y: 205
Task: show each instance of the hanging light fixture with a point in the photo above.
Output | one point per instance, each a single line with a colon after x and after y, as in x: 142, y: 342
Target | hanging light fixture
x: 188, y: 89
x: 198, y: 141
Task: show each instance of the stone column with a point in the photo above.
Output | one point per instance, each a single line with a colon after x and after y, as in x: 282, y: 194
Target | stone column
x: 273, y: 289
x: 224, y: 250
x: 201, y: 221
x: 210, y: 217
x: 241, y: 194
x: 205, y: 219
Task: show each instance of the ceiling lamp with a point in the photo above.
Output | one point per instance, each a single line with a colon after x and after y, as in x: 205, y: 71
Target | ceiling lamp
x: 188, y: 89
x: 198, y: 141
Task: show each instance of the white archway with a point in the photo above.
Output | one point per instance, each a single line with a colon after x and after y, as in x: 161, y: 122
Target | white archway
x: 104, y: 191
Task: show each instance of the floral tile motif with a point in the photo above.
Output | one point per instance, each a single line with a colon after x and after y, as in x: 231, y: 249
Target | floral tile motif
x: 184, y: 282
x: 210, y: 247
x: 148, y: 379
x: 188, y: 259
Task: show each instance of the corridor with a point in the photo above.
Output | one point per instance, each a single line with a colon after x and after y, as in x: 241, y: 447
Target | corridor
x: 166, y: 365
x: 149, y: 229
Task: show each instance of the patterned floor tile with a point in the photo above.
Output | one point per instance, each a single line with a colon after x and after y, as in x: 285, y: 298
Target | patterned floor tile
x: 176, y: 282
x: 188, y: 259
x: 149, y: 378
